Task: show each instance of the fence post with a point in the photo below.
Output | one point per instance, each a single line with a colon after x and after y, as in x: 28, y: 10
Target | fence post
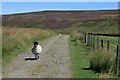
x: 97, y: 42
x: 91, y: 39
x: 88, y: 39
x: 93, y: 42
x: 108, y: 45
x: 117, y: 61
x: 102, y: 43
x: 85, y: 37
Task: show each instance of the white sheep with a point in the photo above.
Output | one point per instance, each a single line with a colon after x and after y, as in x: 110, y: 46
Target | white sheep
x: 36, y: 50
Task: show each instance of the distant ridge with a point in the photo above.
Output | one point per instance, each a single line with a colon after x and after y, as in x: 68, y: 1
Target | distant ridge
x: 55, y: 19
x: 59, y: 11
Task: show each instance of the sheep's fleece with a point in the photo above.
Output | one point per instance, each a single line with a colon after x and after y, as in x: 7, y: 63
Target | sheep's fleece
x: 38, y: 49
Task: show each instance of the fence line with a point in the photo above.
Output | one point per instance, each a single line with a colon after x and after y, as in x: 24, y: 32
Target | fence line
x: 91, y: 41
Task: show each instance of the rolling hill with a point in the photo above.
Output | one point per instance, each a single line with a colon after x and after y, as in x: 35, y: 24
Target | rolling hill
x: 56, y: 19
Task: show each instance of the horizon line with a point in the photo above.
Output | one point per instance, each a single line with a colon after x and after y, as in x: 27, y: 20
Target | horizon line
x: 58, y: 10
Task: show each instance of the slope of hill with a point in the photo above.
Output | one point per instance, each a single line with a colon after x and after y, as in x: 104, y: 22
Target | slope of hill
x: 56, y: 19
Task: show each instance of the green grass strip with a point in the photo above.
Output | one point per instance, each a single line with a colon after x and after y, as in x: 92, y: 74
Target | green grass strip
x: 80, y: 61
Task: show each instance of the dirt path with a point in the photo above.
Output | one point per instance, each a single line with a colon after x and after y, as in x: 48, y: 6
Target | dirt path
x: 54, y: 62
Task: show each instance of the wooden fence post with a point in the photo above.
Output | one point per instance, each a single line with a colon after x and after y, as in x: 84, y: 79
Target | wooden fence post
x: 93, y: 42
x: 85, y: 37
x: 91, y: 39
x: 88, y: 39
x: 108, y: 45
x: 102, y: 43
x: 98, y: 42
x: 118, y: 61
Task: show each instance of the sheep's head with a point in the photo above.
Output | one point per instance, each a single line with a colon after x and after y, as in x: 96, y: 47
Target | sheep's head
x: 35, y: 44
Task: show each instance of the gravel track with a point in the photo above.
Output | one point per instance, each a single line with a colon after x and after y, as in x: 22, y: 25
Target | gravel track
x: 54, y: 61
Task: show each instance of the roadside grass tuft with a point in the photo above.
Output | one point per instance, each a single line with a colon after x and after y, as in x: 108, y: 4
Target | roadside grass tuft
x: 102, y: 61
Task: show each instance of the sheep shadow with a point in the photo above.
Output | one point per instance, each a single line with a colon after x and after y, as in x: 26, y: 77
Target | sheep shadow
x: 30, y: 59
x: 85, y: 68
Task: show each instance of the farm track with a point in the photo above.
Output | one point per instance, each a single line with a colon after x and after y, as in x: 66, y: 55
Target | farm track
x: 54, y: 61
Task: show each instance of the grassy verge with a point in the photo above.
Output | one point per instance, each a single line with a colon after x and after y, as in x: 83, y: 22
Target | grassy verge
x: 80, y: 61
x: 103, y: 60
x: 112, y: 40
x: 17, y: 40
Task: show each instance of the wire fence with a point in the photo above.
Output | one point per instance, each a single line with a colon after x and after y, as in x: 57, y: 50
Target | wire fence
x: 96, y: 42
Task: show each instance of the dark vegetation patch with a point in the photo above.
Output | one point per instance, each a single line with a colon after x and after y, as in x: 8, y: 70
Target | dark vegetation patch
x: 57, y: 19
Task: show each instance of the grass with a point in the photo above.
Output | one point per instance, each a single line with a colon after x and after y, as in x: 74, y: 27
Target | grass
x: 109, y: 26
x: 16, y: 40
x: 89, y: 63
x: 103, y: 26
x: 112, y: 40
x: 102, y: 61
x: 0, y: 53
x: 80, y: 61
